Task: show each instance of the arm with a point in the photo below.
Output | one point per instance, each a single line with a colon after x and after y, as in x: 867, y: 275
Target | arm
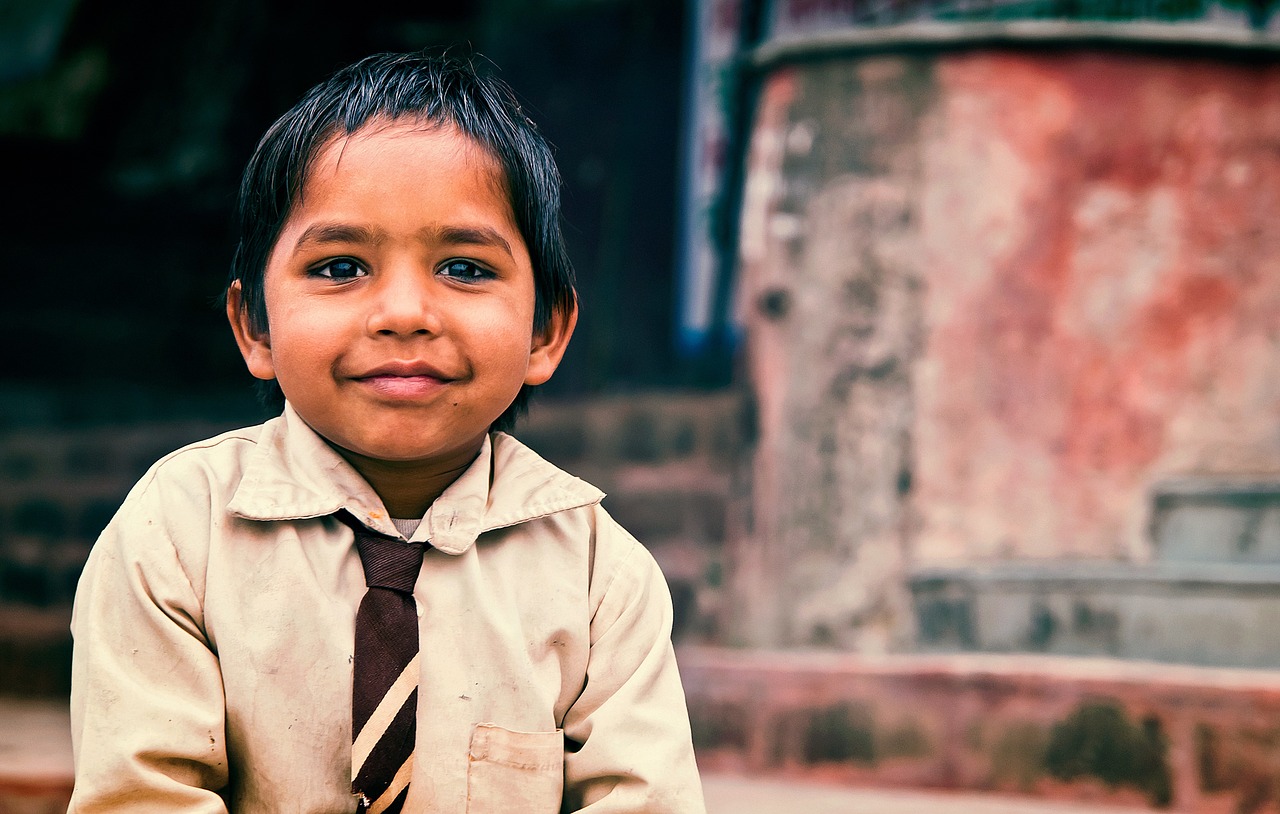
x: 630, y: 724
x: 147, y: 705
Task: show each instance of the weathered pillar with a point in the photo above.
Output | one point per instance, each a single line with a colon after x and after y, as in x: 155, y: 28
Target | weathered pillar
x: 831, y: 279
x: 992, y: 298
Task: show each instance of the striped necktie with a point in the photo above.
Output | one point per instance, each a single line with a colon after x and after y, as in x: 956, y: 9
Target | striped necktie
x: 384, y: 700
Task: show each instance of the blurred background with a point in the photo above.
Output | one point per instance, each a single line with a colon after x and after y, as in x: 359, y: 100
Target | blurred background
x: 932, y: 347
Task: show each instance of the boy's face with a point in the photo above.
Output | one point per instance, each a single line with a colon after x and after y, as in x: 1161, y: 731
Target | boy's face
x: 400, y: 298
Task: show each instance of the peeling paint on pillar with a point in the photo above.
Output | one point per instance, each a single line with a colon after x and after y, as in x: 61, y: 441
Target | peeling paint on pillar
x: 831, y: 288
x: 990, y: 299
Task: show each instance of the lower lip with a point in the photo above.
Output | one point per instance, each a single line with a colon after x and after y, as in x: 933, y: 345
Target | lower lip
x: 403, y: 387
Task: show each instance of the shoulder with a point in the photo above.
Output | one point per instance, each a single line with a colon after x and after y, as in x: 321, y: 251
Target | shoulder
x: 161, y: 532
x: 215, y: 463
x: 528, y: 487
x: 187, y: 489
x: 524, y: 486
x: 622, y: 564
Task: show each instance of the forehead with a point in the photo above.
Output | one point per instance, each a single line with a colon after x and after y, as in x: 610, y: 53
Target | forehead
x: 402, y: 179
x: 404, y: 145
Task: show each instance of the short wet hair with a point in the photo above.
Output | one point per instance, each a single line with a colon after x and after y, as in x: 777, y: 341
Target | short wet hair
x: 434, y: 88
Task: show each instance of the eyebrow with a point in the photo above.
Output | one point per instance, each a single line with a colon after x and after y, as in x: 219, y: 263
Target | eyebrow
x: 322, y: 233
x: 467, y: 236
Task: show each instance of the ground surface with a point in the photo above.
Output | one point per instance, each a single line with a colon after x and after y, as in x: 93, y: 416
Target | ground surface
x: 35, y: 753
x: 730, y: 794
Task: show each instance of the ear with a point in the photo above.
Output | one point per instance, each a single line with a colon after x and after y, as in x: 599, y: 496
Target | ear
x: 550, y: 342
x: 255, y: 346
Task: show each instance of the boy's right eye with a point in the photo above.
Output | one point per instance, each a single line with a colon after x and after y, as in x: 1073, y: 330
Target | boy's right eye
x: 340, y: 269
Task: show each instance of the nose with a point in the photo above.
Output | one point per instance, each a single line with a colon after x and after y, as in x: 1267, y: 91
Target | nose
x: 403, y: 304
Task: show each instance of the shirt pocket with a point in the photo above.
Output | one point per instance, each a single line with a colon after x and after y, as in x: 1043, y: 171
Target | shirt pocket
x: 511, y: 771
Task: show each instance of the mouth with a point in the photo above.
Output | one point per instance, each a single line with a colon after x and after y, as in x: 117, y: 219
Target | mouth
x: 404, y: 379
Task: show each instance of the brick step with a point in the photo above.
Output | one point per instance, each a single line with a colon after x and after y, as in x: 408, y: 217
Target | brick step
x: 644, y: 428
x: 35, y: 651
x: 122, y: 452
x: 51, y: 508
x: 668, y: 513
x: 41, y: 572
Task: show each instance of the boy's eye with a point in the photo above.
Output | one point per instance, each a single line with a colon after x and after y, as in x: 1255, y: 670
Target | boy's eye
x: 464, y: 270
x: 340, y: 269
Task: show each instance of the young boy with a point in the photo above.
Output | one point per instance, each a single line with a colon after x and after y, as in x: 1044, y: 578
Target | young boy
x: 401, y: 275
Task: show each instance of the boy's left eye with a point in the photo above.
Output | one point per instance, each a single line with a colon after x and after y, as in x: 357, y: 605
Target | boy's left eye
x: 464, y: 270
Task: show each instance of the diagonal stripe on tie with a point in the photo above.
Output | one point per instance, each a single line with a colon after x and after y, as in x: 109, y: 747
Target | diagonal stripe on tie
x: 377, y: 724
x: 388, y: 756
x: 384, y: 696
x: 392, y: 800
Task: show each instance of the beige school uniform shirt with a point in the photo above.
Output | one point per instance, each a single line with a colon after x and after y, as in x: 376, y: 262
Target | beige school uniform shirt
x: 214, y: 628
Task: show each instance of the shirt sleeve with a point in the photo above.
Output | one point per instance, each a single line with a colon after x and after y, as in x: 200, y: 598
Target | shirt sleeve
x: 147, y: 708
x: 629, y: 745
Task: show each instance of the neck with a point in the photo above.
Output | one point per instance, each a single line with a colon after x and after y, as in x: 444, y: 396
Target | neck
x: 408, y: 488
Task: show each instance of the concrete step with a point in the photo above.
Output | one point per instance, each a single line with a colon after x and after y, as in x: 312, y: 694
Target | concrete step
x: 1214, y: 519
x: 1218, y: 614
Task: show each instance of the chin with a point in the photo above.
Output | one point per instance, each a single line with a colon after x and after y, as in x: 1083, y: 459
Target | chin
x: 401, y: 449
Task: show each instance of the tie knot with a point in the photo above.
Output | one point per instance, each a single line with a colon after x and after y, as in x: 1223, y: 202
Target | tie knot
x: 389, y: 563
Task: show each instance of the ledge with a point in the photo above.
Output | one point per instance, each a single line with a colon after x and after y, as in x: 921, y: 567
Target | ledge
x: 937, y: 35
x: 1132, y: 576
x: 992, y: 723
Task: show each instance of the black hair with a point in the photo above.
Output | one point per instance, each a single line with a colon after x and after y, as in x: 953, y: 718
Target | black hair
x: 429, y: 87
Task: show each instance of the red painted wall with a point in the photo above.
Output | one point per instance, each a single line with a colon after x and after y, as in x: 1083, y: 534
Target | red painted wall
x: 1103, y: 295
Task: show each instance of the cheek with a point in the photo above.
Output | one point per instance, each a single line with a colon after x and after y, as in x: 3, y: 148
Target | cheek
x: 506, y: 336
x: 304, y: 337
x: 298, y: 313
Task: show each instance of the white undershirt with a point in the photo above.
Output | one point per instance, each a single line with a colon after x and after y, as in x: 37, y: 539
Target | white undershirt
x: 407, y: 527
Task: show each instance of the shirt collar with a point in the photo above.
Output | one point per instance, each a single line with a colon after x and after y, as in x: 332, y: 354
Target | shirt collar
x: 294, y: 474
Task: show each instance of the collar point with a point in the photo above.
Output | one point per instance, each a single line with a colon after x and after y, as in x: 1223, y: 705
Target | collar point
x: 453, y: 547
